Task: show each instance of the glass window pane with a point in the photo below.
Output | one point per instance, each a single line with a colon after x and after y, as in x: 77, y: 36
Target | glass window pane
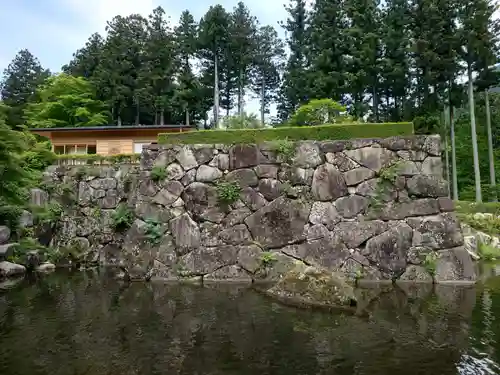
x: 91, y: 149
x: 59, y: 150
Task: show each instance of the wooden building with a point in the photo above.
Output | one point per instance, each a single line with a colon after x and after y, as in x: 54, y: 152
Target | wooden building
x: 105, y: 140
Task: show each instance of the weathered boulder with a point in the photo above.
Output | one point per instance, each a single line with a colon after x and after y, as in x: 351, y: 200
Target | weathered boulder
x: 4, y: 234
x: 454, y: 264
x: 416, y: 274
x: 186, y: 158
x: 221, y: 161
x: 169, y: 194
x: 306, y: 285
x: 236, y: 235
x: 388, y: 250
x: 280, y: 222
x: 205, y: 260
x: 7, y: 250
x: 266, y: 171
x: 358, y: 175
x: 252, y: 199
x: 244, y: 156
x: 328, y: 183
x: 202, y: 201
x: 244, y: 177
x: 432, y: 166
x: 355, y: 233
x: 427, y: 186
x: 350, y: 206
x: 8, y: 269
x: 341, y: 161
x: 175, y: 172
x: 372, y: 158
x: 206, y: 173
x: 103, y: 183
x: 203, y: 154
x: 26, y: 219
x: 402, y: 210
x: 324, y: 213
x: 307, y: 155
x: 270, y: 188
x: 186, y: 233
x: 39, y: 197
x: 437, y: 232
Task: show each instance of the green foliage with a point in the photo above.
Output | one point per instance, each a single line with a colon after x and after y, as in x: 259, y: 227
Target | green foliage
x: 430, y: 263
x: 95, y: 159
x: 488, y: 224
x: 319, y: 112
x: 153, y: 231
x: 245, y: 121
x: 319, y: 133
x: 390, y: 173
x: 488, y: 252
x: 284, y: 148
x: 66, y: 101
x: 464, y: 207
x: 122, y: 218
x: 267, y: 259
x: 158, y: 173
x: 25, y: 245
x: 48, y: 214
x: 228, y: 192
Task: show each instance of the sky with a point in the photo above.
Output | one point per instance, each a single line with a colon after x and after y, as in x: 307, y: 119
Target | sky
x: 54, y: 29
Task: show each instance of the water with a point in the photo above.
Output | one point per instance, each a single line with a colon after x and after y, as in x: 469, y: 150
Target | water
x: 90, y: 324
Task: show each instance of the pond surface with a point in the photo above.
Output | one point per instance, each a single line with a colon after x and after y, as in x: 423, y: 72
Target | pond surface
x: 90, y: 324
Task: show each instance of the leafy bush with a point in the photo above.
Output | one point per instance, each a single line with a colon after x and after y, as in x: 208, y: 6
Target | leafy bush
x: 153, y: 231
x: 488, y: 252
x: 94, y: 159
x: 487, y: 224
x: 245, y: 121
x: 430, y: 263
x: 158, y: 173
x: 319, y: 112
x: 284, y: 148
x: 318, y: 133
x: 228, y: 192
x: 122, y: 218
x: 473, y: 207
x: 48, y: 214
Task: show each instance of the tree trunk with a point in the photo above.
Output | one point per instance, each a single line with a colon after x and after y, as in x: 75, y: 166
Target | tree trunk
x: 162, y: 117
x: 240, y: 94
x: 137, y: 111
x: 375, y: 103
x: 446, y: 116
x: 216, y: 94
x: 262, y: 101
x: 187, y: 117
x: 490, y: 146
x: 156, y: 117
x: 453, y: 155
x: 477, y: 173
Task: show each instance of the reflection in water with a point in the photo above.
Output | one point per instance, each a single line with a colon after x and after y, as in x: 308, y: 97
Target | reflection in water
x: 90, y: 324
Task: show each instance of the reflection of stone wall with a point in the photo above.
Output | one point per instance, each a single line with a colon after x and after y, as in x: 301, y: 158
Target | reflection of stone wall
x: 375, y: 209
x: 85, y: 324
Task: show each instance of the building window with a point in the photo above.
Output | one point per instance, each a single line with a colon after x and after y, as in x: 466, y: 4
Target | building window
x: 138, y: 146
x: 80, y: 149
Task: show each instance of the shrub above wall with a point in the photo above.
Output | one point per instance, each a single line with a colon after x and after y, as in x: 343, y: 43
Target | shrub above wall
x: 318, y: 133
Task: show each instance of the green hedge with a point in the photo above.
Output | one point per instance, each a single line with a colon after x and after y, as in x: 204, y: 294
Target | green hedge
x: 94, y: 159
x: 319, y: 133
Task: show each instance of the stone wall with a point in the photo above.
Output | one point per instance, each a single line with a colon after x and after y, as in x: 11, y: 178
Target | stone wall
x: 375, y: 209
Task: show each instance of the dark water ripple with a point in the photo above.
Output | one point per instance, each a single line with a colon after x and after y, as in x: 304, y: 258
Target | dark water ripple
x: 90, y: 324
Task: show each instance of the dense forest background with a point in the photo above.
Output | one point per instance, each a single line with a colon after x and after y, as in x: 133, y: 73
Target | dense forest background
x: 396, y: 60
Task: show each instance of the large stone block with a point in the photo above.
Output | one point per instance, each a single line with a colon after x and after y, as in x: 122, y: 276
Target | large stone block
x: 279, y: 223
x: 244, y: 156
x: 328, y: 183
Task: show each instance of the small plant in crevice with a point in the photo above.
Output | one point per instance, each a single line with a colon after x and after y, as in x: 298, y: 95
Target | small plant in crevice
x: 387, y: 177
x: 48, y: 214
x: 96, y: 212
x: 228, y: 192
x: 153, y: 231
x: 430, y: 263
x: 158, y: 173
x: 488, y: 252
x: 122, y: 218
x: 284, y: 148
x: 267, y: 259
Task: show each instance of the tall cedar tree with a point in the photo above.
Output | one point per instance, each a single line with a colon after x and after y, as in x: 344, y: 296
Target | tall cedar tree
x: 191, y: 96
x: 121, y: 62
x: 20, y: 80
x: 86, y: 60
x: 295, y: 82
x: 395, y: 64
x: 213, y: 45
x: 243, y: 30
x: 268, y: 62
x: 363, y: 42
x: 329, y: 50
x: 155, y: 82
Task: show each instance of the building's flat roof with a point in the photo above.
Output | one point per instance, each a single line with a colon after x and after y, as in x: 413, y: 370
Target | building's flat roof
x: 110, y: 127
